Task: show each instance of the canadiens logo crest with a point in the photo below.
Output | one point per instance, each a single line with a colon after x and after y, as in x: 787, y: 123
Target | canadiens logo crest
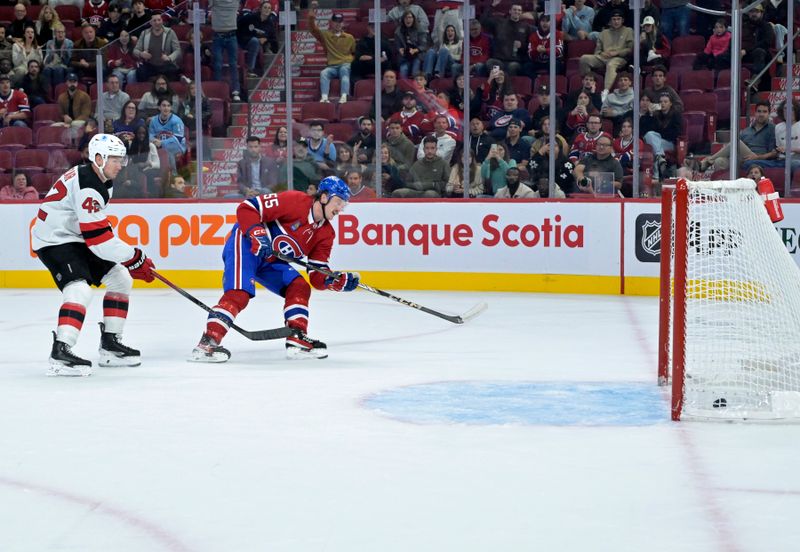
x: 287, y: 246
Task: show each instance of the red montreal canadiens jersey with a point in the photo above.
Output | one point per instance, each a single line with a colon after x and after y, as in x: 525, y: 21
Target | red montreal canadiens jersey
x: 289, y: 220
x: 16, y: 101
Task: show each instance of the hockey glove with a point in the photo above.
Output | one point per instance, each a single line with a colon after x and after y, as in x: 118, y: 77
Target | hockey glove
x: 140, y: 266
x: 260, y: 243
x: 345, y: 281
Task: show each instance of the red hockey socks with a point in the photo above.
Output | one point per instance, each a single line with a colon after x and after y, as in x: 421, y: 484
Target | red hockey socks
x: 295, y: 308
x: 230, y: 305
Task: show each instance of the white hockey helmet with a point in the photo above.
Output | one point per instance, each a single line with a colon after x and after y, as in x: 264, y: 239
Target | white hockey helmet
x: 107, y: 145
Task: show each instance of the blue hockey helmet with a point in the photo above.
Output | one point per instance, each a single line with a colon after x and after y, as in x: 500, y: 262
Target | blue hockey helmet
x: 334, y: 186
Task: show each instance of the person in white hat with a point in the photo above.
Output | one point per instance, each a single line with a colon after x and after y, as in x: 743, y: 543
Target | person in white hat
x: 654, y: 46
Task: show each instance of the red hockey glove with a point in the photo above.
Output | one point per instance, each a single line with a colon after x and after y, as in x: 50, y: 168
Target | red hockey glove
x: 140, y: 266
x: 260, y: 244
x: 345, y: 281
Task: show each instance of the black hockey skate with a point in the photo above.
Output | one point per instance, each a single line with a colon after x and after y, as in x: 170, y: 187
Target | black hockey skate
x: 114, y: 353
x: 300, y: 347
x: 209, y: 351
x: 64, y: 363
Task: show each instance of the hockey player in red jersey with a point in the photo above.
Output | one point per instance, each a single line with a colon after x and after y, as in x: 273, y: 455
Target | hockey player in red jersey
x: 296, y: 225
x: 74, y: 240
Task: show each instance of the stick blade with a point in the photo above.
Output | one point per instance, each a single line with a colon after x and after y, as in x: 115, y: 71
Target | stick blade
x: 472, y: 313
x: 266, y: 335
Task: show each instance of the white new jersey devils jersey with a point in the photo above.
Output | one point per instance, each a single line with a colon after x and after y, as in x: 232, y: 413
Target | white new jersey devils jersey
x: 73, y: 211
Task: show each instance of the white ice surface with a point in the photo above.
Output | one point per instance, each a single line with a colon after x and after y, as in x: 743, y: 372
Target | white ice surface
x: 264, y: 454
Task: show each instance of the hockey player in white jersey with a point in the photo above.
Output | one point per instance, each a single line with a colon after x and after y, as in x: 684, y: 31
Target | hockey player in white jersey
x: 74, y: 240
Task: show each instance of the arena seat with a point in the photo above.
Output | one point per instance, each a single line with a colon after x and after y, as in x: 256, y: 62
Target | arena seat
x: 353, y: 110
x: 689, y: 44
x: 342, y: 132
x: 6, y: 161
x: 701, y: 79
x: 15, y: 138
x: 43, y: 182
x: 315, y: 111
x: 31, y: 160
x: 52, y: 137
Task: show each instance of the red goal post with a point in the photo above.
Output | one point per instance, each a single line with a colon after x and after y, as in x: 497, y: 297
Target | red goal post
x: 729, y: 306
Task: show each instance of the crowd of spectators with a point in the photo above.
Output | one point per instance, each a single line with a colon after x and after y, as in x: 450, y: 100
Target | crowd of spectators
x: 509, y: 55
x: 421, y: 118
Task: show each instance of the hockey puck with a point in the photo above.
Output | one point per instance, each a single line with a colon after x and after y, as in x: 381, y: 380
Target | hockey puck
x: 720, y: 403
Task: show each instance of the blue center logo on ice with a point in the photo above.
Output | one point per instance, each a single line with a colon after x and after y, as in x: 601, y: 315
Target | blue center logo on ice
x: 524, y: 403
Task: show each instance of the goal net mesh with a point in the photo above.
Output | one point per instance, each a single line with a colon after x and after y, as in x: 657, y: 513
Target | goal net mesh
x: 742, y: 336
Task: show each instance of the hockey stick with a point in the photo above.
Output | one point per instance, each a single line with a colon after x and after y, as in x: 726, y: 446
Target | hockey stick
x: 455, y: 319
x: 258, y: 335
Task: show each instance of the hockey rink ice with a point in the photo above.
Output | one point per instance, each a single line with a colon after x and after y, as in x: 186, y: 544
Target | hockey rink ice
x: 536, y: 427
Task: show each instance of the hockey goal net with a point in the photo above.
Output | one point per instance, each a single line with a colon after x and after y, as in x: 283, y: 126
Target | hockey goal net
x: 729, y: 336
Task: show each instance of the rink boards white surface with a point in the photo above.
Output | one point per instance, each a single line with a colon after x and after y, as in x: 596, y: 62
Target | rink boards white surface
x: 263, y: 454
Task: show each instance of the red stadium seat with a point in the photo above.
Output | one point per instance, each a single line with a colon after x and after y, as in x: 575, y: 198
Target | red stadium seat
x: 315, y: 111
x: 689, y: 44
x: 524, y: 86
x: 63, y: 159
x: 6, y: 161
x: 724, y: 78
x: 52, y: 137
x: 561, y: 83
x: 354, y: 109
x: 32, y: 160
x: 702, y: 79
x: 441, y: 85
x: 15, y: 138
x: 43, y: 182
x: 577, y: 48
x: 68, y: 12
x: 217, y: 89
x: 705, y: 103
x: 364, y: 89
x: 6, y: 179
x: 49, y: 112
x: 358, y: 28
x: 682, y: 62
x: 137, y: 89
x: 694, y: 123
x: 342, y: 132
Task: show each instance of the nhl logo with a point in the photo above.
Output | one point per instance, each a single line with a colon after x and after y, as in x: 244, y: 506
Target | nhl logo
x: 648, y: 238
x: 651, y: 237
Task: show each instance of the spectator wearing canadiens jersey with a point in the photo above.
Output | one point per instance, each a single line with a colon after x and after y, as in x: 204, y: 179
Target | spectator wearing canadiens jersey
x: 297, y: 226
x: 94, y: 12
x: 74, y: 239
x: 14, y: 107
x: 410, y: 118
x: 539, y: 50
x: 511, y: 111
x: 480, y: 49
x: 585, y: 142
